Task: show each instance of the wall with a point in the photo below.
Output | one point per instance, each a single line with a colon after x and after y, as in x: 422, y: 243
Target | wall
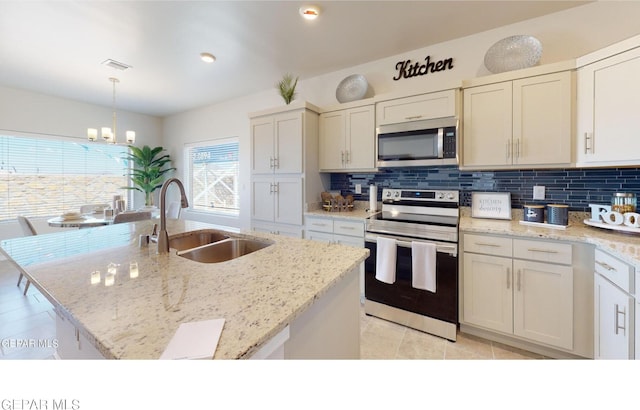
x: 564, y: 35
x: 576, y: 187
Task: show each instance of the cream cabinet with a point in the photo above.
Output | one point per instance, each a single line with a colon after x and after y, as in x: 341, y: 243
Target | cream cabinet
x: 284, y: 167
x: 521, y: 123
x: 347, y: 139
x: 519, y: 287
x: 614, y: 308
x: 419, y: 107
x: 337, y: 230
x: 608, y: 124
x: 72, y: 344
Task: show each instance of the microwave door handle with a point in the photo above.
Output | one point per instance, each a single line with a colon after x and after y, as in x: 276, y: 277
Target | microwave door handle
x: 440, y: 142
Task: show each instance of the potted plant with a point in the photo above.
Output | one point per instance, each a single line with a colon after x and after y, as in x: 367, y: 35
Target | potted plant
x: 148, y: 171
x: 287, y: 87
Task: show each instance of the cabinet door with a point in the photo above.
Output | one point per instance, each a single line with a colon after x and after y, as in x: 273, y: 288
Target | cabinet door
x: 262, y: 198
x: 487, y: 292
x: 420, y: 107
x: 288, y: 143
x: 608, y: 121
x: 262, y: 155
x: 288, y: 200
x: 543, y: 303
x: 542, y: 118
x: 612, y: 313
x: 332, y: 139
x: 487, y: 125
x: 360, y: 138
x: 319, y: 236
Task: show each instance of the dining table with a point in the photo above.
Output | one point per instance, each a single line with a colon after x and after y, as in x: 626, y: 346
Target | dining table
x: 85, y: 221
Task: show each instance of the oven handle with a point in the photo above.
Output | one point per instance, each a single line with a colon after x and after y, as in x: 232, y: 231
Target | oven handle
x: 440, y: 247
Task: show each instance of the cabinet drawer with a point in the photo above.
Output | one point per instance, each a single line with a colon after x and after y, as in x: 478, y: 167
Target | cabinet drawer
x: 319, y: 224
x: 491, y: 245
x: 618, y: 272
x: 351, y: 228
x: 543, y: 251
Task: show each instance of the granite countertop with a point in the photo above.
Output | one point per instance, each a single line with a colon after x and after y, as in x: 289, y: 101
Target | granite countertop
x: 360, y: 211
x: 625, y: 246
x: 258, y: 294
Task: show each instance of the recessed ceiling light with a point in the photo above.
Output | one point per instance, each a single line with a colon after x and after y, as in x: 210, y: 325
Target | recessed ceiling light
x: 207, y: 57
x: 309, y: 12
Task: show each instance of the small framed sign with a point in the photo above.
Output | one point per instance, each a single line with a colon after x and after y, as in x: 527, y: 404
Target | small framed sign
x: 491, y: 205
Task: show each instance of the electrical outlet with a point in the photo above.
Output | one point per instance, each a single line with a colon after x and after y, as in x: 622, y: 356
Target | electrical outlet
x: 358, y: 188
x: 538, y: 192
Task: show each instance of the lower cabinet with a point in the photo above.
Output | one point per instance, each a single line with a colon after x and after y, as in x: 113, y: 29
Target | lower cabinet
x: 336, y: 230
x: 614, y: 308
x: 523, y: 289
x: 71, y: 343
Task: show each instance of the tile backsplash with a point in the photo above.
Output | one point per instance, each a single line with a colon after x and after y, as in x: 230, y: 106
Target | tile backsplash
x: 575, y: 187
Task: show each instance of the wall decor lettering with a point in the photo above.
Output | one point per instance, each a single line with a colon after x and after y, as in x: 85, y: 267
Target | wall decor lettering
x: 406, y: 69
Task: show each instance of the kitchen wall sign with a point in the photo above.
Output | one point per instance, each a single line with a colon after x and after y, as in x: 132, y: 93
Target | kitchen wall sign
x: 407, y: 69
x: 491, y: 205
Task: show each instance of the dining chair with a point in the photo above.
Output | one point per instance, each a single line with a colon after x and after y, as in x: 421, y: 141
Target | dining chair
x: 27, y: 230
x: 131, y: 217
x: 173, y: 210
x: 91, y: 208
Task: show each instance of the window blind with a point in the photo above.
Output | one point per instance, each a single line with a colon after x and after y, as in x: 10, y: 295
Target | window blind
x: 47, y: 176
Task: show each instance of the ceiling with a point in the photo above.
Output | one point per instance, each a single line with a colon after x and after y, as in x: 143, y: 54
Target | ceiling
x: 57, y: 47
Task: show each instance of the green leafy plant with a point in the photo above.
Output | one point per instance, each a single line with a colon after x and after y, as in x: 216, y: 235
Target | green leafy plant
x: 287, y: 87
x: 148, y: 171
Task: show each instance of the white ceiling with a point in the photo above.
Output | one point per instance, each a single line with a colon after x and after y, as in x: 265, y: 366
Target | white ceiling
x: 56, y: 47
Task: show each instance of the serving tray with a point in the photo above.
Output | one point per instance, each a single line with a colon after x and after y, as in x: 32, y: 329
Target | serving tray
x: 622, y: 228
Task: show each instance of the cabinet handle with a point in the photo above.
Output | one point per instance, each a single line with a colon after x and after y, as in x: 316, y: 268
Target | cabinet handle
x: 351, y: 228
x: 318, y: 224
x: 606, y: 266
x: 348, y: 155
x: 277, y: 187
x: 271, y: 163
x: 588, y: 138
x: 276, y: 162
x: 342, y: 155
x: 508, y: 278
x: 487, y: 244
x: 519, y: 279
x: 518, y: 148
x: 542, y: 250
x: 617, y: 322
x: 415, y: 117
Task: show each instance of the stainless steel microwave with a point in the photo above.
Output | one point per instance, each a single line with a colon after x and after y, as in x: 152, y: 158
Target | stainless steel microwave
x: 418, y: 143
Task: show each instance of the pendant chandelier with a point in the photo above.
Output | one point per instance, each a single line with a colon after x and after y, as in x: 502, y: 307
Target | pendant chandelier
x: 109, y: 134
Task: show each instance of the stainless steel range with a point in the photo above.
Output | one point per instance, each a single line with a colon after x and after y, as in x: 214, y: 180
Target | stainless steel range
x: 409, y: 216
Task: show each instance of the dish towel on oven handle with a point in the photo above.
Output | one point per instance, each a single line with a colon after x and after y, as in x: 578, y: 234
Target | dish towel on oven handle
x: 423, y: 266
x: 386, y: 260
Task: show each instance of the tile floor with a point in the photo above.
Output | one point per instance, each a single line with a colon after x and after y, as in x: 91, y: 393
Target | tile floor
x: 30, y: 319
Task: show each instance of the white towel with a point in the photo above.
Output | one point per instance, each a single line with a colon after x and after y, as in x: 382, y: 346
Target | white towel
x: 386, y: 260
x: 423, y: 266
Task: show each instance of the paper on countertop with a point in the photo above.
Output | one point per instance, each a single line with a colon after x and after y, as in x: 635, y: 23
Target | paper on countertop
x: 194, y: 340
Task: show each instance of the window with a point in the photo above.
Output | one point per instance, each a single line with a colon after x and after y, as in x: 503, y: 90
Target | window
x: 213, y: 176
x: 46, y: 176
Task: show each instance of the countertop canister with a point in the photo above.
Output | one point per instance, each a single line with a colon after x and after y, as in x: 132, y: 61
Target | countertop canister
x: 533, y: 213
x: 558, y: 214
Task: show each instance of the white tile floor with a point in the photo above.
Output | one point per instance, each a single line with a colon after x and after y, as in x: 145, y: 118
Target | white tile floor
x: 30, y: 320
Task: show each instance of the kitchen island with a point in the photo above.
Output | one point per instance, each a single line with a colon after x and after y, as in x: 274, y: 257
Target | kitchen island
x: 127, y: 301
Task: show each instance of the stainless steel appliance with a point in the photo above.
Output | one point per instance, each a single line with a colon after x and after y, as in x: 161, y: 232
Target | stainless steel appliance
x: 425, y: 216
x: 418, y: 143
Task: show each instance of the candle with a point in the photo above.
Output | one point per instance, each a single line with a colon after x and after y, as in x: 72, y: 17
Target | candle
x: 95, y: 277
x: 92, y: 134
x: 133, y: 270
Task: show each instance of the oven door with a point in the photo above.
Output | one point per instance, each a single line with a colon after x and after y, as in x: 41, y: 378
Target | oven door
x: 442, y: 305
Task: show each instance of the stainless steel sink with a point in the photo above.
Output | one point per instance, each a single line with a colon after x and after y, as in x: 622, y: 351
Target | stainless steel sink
x: 224, y: 250
x: 194, y: 239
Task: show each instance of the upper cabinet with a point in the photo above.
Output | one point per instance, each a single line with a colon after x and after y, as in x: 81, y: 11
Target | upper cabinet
x: 347, y: 139
x: 608, y: 124
x: 277, y: 143
x: 420, y: 107
x: 524, y: 122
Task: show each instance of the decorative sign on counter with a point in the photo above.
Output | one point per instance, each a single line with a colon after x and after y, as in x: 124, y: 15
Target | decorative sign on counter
x: 406, y: 69
x: 603, y: 217
x: 492, y: 205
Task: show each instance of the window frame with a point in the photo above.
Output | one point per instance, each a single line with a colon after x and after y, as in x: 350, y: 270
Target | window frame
x: 189, y: 179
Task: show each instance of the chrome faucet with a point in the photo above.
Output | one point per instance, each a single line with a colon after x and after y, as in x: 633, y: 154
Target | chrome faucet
x: 163, y: 236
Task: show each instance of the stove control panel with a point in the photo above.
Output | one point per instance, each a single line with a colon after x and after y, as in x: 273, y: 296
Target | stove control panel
x: 399, y: 195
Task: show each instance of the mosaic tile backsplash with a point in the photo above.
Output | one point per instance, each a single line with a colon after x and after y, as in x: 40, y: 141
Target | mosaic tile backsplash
x: 575, y: 187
